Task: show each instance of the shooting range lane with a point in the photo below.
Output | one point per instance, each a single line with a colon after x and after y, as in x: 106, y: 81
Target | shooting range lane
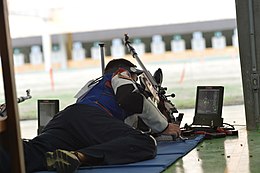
x: 233, y: 154
x: 215, y: 69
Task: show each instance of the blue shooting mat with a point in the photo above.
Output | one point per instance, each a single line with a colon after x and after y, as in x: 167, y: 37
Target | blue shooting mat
x: 168, y: 152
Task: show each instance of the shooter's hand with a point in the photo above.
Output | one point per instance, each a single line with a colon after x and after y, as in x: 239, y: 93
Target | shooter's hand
x: 172, y: 129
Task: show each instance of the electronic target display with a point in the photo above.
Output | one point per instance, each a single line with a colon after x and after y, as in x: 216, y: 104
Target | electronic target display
x: 208, y: 108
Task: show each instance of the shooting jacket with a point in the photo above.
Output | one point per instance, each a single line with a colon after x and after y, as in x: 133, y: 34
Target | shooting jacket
x: 118, y: 95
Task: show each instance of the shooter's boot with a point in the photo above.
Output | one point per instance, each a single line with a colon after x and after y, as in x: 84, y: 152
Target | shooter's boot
x: 62, y: 161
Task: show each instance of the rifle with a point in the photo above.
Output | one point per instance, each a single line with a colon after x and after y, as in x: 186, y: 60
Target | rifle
x: 153, y: 84
x: 19, y: 100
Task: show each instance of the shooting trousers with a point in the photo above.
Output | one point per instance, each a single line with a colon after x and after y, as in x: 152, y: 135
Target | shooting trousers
x: 89, y: 130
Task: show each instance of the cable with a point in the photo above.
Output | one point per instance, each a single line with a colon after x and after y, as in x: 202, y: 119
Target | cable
x: 232, y: 126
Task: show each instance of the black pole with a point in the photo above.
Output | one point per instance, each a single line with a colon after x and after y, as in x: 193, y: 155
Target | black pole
x: 102, y: 57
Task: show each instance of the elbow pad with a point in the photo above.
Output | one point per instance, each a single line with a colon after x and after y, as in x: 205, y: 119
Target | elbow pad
x: 152, y: 117
x: 129, y: 100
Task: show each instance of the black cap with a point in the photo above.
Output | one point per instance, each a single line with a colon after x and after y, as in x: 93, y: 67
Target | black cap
x: 134, y: 70
x: 123, y: 63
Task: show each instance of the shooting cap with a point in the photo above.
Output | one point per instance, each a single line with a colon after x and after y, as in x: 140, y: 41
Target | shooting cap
x: 134, y: 70
x: 123, y: 63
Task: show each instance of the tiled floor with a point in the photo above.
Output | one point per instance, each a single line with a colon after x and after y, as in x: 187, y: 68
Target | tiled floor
x: 232, y: 154
x: 224, y: 155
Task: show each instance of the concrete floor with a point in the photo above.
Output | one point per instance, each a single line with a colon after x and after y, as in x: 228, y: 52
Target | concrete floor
x: 233, y: 154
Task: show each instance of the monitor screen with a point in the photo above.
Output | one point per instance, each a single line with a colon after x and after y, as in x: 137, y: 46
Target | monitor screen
x: 208, y: 101
x: 46, y: 111
x: 208, y: 109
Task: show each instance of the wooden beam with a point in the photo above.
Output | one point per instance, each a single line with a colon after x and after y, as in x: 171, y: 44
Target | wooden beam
x: 2, y: 125
x: 12, y: 138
